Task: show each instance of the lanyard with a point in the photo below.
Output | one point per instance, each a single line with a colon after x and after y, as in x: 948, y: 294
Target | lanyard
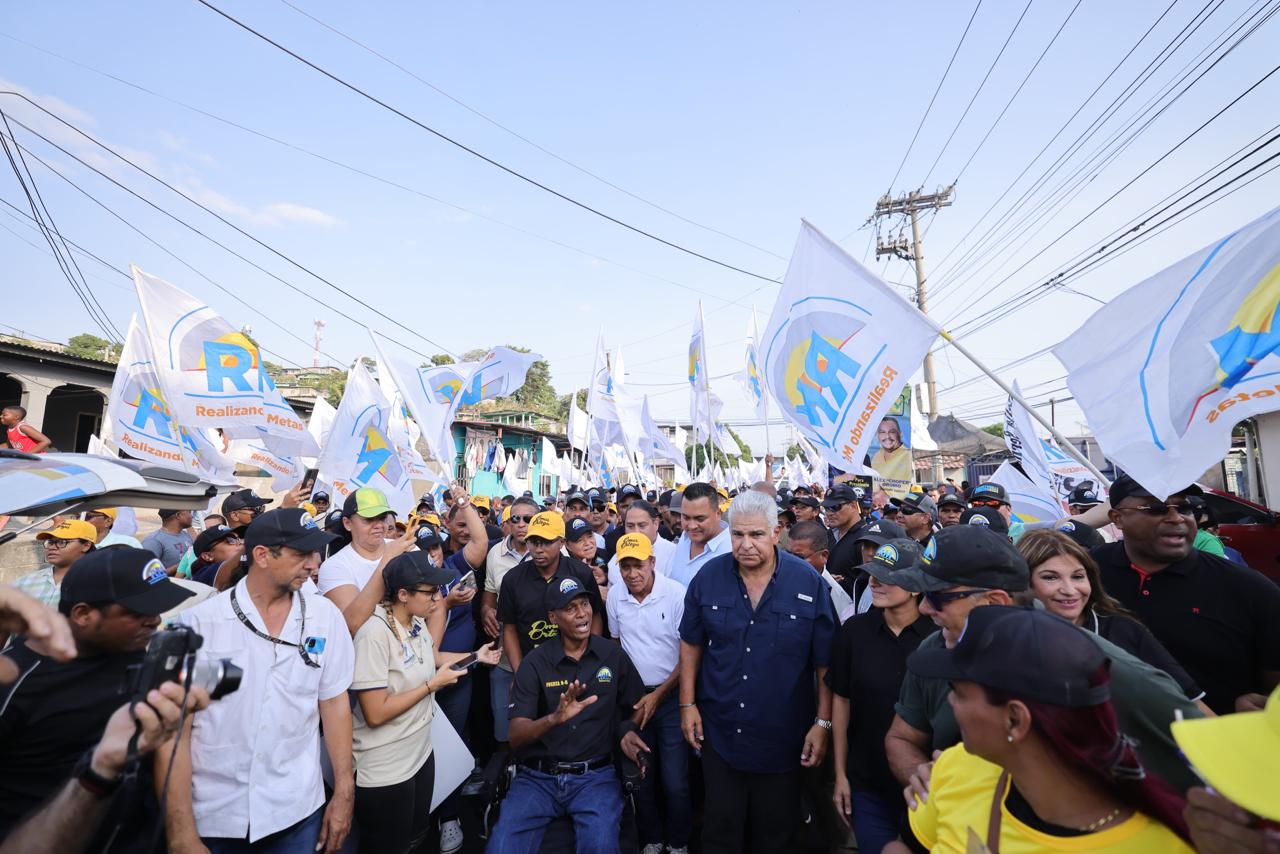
x: 302, y: 604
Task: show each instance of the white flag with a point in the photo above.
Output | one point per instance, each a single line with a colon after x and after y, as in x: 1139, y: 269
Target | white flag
x: 322, y: 415
x: 750, y: 378
x: 656, y: 446
x: 286, y: 472
x: 212, y: 373
x: 359, y: 453
x: 700, y: 405
x: 1029, y: 502
x: 141, y: 423
x: 499, y: 373
x: 1165, y: 370
x: 838, y: 348
x: 1021, y: 440
x: 577, y: 427
x: 426, y: 404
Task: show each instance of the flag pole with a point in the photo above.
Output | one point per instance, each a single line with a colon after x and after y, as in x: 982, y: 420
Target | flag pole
x: 1063, y: 442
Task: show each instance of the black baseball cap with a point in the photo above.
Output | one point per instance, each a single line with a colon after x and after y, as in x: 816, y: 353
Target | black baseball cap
x: 132, y: 578
x: 951, y: 498
x: 411, y: 569
x: 989, y: 492
x: 967, y: 556
x: 1088, y: 538
x: 210, y: 537
x: 909, y: 505
x: 286, y: 526
x: 988, y: 517
x: 841, y: 494
x: 562, y: 590
x: 427, y: 538
x: 168, y: 514
x: 243, y: 499
x: 1126, y: 487
x: 320, y: 496
x: 596, y: 496
x: 651, y: 496
x: 629, y: 490
x: 577, y: 496
x: 664, y: 500
x: 333, y: 521
x: 1024, y: 652
x: 894, y: 556
x: 1084, y: 496
x: 801, y: 489
x: 806, y: 499
x: 881, y: 531
x: 577, y: 529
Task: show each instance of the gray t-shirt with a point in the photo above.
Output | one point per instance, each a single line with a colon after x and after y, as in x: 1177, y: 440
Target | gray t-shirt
x: 168, y: 547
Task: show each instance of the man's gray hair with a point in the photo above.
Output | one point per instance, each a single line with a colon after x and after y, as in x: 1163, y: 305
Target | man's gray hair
x: 754, y: 504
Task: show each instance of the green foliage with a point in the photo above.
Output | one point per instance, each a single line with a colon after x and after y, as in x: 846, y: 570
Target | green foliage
x: 86, y: 346
x: 995, y: 429
x: 441, y: 359
x: 330, y: 385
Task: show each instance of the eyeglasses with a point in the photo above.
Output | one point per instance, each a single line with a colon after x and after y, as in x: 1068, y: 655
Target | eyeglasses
x: 1157, y: 511
x: 939, y: 599
x: 599, y: 507
x: 520, y: 520
x: 432, y: 592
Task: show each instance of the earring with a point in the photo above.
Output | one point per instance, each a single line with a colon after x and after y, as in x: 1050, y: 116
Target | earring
x: 1010, y: 737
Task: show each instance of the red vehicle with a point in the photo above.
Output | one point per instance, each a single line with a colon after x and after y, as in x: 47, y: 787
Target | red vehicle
x: 1249, y: 528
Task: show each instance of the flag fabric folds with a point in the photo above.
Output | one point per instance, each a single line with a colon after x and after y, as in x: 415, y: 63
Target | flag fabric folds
x: 1165, y: 370
x: 838, y: 347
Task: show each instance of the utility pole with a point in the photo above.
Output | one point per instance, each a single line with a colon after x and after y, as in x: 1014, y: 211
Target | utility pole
x: 910, y: 205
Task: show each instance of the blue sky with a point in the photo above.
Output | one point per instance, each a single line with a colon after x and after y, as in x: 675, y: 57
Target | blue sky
x: 742, y: 117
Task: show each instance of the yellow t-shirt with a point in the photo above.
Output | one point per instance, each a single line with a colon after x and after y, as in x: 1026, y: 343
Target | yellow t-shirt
x: 960, y: 792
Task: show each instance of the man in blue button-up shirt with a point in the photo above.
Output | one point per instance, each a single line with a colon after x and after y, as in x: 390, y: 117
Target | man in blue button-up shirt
x: 758, y: 628
x: 704, y: 535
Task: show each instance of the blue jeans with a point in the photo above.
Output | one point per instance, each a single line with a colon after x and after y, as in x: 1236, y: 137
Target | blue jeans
x: 499, y: 688
x: 593, y: 800
x: 663, y: 798
x: 298, y: 839
x: 876, y: 821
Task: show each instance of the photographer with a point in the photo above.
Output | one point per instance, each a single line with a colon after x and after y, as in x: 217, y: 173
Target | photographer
x: 248, y: 777
x: 56, y: 709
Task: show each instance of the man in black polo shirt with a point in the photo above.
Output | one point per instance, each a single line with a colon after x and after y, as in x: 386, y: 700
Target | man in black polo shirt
x: 844, y: 520
x: 56, y: 711
x: 571, y: 706
x: 1221, y: 621
x: 912, y: 515
x: 522, y: 598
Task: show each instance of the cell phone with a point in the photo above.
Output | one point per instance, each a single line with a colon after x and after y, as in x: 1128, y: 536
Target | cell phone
x: 309, y: 481
x: 467, y: 581
x: 464, y: 663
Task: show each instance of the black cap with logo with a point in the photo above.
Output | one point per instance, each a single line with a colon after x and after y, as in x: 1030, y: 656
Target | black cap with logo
x: 243, y: 499
x: 577, y: 529
x: 629, y: 491
x: 561, y: 590
x: 577, y: 496
x: 894, y: 556
x: 1126, y: 487
x: 1021, y: 651
x: 840, y: 495
x: 287, y: 526
x: 132, y: 578
x: 880, y: 532
x: 987, y: 517
x: 804, y: 499
x: 210, y: 537
x: 967, y: 556
x: 951, y: 498
x: 989, y: 492
x: 411, y: 569
x: 909, y: 505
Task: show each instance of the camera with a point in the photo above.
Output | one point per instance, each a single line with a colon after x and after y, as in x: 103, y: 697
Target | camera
x: 172, y: 657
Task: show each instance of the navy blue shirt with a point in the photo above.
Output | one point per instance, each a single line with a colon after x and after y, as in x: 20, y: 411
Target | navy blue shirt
x: 756, y: 689
x: 460, y: 631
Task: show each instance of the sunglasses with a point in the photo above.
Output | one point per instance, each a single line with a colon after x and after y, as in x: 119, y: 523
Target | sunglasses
x: 1157, y: 511
x: 985, y: 503
x: 599, y: 507
x: 939, y: 600
x: 836, y: 508
x: 520, y: 520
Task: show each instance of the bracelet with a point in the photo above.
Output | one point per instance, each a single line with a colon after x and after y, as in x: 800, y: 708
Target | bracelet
x: 687, y: 705
x: 91, y: 781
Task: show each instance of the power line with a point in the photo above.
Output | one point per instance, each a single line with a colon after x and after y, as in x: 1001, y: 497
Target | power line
x: 521, y: 137
x: 475, y: 153
x: 221, y: 219
x: 977, y: 91
x: 370, y: 175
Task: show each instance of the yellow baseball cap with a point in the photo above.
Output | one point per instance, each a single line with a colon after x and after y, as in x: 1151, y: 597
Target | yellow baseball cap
x: 482, y: 501
x: 547, y: 526
x: 1239, y: 755
x: 724, y: 505
x: 506, y: 513
x: 722, y: 492
x: 110, y: 512
x: 611, y: 506
x: 309, y: 507
x: 431, y: 518
x: 634, y: 545
x: 71, y: 529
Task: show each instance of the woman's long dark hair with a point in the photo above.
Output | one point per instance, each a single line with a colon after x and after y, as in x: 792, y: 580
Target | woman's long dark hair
x: 1088, y: 738
x: 1041, y: 545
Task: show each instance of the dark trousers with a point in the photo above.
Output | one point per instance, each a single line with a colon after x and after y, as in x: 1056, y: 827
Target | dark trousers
x: 663, y: 810
x: 396, y: 819
x: 876, y: 820
x: 592, y: 800
x: 742, y: 807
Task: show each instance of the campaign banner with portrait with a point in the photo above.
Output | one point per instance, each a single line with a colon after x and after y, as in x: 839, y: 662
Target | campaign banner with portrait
x: 890, y: 450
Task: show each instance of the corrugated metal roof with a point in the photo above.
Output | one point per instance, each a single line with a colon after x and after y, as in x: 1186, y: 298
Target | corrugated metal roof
x: 49, y: 347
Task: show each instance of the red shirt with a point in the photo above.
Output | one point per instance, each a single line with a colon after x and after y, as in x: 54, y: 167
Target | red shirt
x: 19, y: 440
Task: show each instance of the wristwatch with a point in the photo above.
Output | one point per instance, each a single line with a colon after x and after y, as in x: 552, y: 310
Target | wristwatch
x: 825, y: 724
x: 93, y: 782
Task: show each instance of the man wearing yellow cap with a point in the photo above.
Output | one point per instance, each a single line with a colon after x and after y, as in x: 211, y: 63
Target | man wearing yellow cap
x: 63, y: 546
x: 645, y: 615
x: 103, y: 519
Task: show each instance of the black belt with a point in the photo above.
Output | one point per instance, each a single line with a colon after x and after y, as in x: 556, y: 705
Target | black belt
x: 551, y: 766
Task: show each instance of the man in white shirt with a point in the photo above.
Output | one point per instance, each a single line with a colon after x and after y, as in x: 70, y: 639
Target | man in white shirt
x: 248, y: 769
x: 645, y: 612
x: 705, y: 535
x: 641, y: 517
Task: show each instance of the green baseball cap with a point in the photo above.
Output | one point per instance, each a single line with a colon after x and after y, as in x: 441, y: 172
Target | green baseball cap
x: 367, y: 502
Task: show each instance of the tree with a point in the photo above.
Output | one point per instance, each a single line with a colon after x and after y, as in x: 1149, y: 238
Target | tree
x: 441, y: 359
x: 86, y: 346
x: 996, y: 429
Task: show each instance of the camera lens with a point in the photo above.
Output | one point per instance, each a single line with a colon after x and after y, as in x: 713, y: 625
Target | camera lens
x: 218, y: 676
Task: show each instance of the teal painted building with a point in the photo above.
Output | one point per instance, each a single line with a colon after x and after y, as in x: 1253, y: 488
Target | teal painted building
x: 511, y: 435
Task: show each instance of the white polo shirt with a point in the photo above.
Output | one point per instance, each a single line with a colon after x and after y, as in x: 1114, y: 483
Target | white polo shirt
x: 649, y: 631
x: 663, y: 552
x: 255, y: 753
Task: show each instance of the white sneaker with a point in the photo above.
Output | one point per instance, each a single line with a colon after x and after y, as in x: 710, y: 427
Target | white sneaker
x: 450, y: 837
x: 674, y: 850
x: 652, y: 848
